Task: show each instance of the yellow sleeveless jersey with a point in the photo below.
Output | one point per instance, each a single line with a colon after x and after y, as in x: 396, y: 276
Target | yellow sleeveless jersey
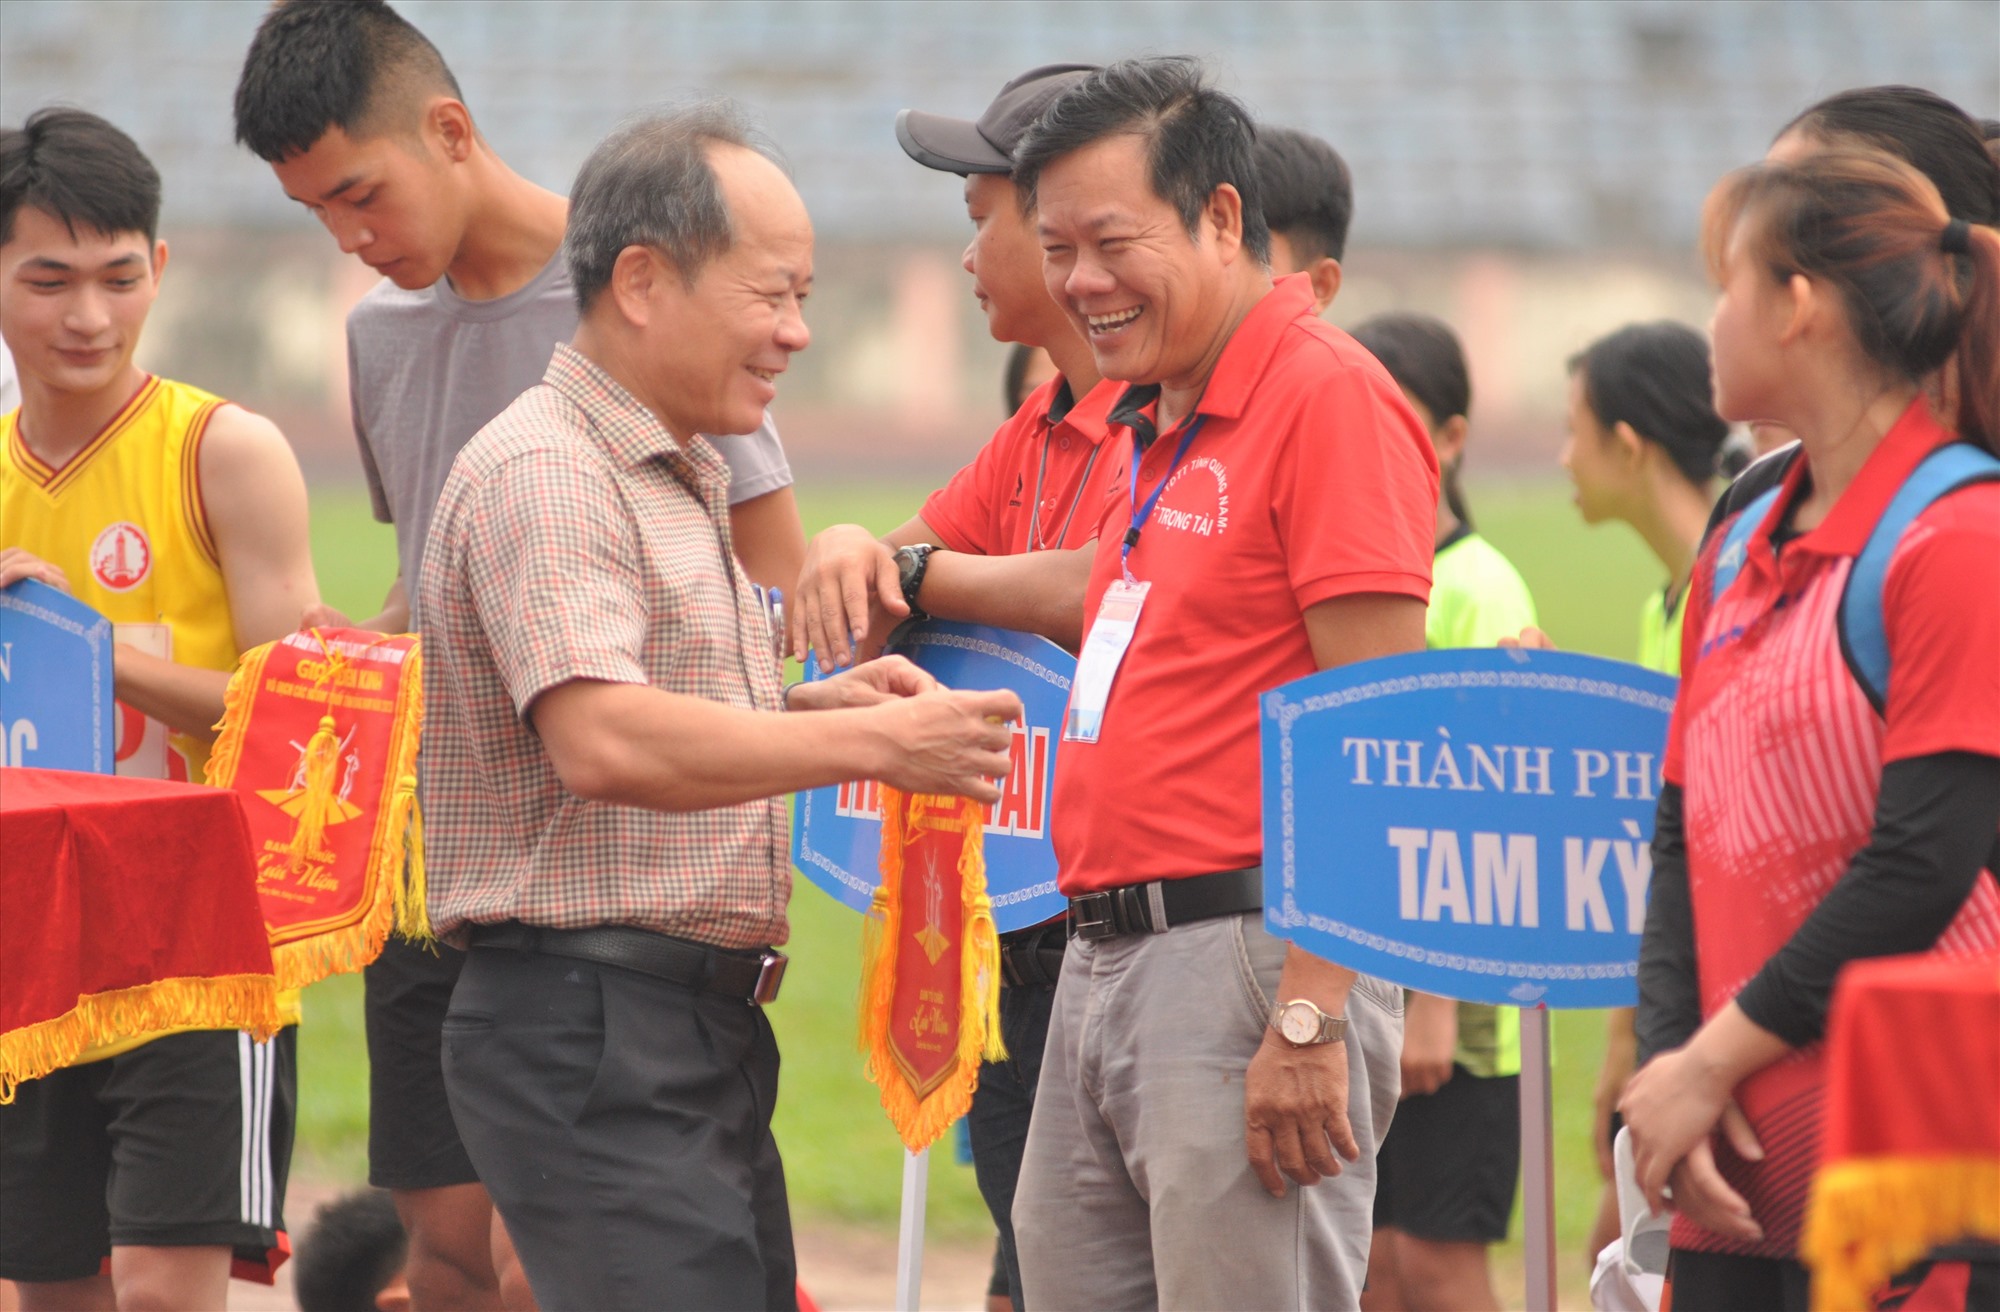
x: 124, y: 520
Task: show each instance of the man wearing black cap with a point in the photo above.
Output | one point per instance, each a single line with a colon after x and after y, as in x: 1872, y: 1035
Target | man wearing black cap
x: 1039, y: 484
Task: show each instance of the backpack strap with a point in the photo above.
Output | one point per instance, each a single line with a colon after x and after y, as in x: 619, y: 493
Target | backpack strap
x: 1736, y: 542
x: 1864, y: 637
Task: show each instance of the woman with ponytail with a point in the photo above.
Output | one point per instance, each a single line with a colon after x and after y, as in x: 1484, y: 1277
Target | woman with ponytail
x: 1816, y: 810
x: 1445, y: 1175
x: 1941, y: 141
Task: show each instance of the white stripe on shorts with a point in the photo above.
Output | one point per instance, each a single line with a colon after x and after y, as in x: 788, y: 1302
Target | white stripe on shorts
x: 257, y: 1074
x: 244, y: 1062
x: 267, y: 1054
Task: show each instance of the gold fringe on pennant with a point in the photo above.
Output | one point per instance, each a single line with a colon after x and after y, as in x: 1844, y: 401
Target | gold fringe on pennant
x: 1873, y: 1217
x: 413, y: 917
x: 921, y: 1122
x: 393, y: 878
x: 224, y: 1002
x: 227, y: 754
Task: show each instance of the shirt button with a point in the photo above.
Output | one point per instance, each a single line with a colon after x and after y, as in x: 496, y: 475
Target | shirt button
x: 1065, y: 444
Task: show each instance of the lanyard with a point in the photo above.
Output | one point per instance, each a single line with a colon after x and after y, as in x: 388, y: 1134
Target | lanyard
x: 1140, y: 514
x: 1036, y: 540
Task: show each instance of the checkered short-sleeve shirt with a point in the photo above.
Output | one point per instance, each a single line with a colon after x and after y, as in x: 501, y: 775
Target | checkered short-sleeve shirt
x: 577, y: 539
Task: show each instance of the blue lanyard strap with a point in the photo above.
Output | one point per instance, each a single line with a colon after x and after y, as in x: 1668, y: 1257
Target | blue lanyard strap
x: 1140, y: 514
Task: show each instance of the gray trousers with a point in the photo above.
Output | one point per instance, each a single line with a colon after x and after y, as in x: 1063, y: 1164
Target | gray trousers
x: 1136, y: 1190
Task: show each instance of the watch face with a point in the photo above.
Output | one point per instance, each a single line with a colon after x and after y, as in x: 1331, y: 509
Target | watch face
x: 1298, y: 1024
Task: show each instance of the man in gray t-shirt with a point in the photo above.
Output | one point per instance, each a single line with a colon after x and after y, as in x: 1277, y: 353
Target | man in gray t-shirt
x: 364, y: 125
x: 427, y: 369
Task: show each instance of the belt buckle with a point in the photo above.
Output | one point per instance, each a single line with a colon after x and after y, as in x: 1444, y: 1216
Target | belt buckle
x: 1092, y: 917
x: 770, y: 975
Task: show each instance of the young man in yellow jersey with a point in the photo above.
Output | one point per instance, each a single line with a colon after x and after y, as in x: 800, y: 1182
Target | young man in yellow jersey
x: 133, y: 1177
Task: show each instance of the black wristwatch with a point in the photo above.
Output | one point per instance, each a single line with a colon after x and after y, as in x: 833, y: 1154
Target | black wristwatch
x: 911, y: 565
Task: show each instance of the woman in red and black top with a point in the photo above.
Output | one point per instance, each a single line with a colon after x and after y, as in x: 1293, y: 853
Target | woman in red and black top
x: 1801, y: 827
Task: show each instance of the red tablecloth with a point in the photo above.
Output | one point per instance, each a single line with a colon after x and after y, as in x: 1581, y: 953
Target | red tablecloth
x: 1912, y: 1147
x: 126, y: 906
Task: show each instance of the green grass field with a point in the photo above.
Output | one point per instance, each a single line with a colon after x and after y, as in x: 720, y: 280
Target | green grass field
x: 842, y: 1160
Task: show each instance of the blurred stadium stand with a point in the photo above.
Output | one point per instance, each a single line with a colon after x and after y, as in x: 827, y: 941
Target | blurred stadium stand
x: 1532, y: 170
x: 1554, y: 125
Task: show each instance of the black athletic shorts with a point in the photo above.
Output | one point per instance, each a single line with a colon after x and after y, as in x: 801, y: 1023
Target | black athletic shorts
x: 1961, y: 1278
x: 180, y: 1142
x: 412, y: 1142
x: 1448, y: 1168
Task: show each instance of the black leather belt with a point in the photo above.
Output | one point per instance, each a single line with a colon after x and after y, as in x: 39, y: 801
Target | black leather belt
x: 753, y: 975
x: 1032, y: 958
x: 1157, y: 907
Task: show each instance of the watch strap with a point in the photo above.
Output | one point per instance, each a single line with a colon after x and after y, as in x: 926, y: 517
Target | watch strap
x: 912, y: 563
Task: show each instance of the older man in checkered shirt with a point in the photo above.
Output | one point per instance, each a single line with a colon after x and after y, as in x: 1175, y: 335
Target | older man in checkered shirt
x: 605, y: 764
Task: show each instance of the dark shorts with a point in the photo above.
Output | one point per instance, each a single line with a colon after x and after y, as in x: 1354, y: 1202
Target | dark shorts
x: 412, y: 1142
x: 182, y: 1142
x: 1962, y: 1278
x: 1448, y: 1168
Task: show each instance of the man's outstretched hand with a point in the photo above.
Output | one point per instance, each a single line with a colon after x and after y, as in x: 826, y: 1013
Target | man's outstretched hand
x: 882, y: 679
x: 848, y: 590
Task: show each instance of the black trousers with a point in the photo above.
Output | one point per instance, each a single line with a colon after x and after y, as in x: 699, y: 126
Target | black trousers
x: 622, y: 1126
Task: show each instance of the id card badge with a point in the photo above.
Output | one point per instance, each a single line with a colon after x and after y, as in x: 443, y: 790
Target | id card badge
x: 1103, y: 653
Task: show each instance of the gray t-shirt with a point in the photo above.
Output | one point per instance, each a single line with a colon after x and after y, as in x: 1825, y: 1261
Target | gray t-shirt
x: 428, y: 369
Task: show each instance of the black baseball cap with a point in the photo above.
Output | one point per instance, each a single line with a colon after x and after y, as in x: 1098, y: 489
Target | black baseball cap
x: 954, y: 145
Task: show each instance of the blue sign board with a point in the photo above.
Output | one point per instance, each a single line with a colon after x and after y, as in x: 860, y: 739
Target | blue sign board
x: 56, y: 707
x: 837, y: 832
x: 1472, y: 823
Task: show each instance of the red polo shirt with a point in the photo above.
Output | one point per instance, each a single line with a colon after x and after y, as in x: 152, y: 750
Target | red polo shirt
x: 1310, y: 479
x: 1040, y: 482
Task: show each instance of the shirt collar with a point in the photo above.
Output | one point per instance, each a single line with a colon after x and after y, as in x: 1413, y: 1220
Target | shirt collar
x: 1090, y: 417
x: 1244, y: 358
x: 1845, y: 530
x: 622, y: 423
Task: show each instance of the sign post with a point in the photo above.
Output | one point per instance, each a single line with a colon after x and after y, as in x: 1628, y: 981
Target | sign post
x: 56, y: 707
x: 1538, y: 1158
x: 910, y: 1231
x: 837, y: 832
x: 1474, y: 824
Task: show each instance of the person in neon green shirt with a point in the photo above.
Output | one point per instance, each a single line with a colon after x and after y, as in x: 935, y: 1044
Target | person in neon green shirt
x: 1644, y: 447
x: 1644, y: 443
x: 1446, y: 1172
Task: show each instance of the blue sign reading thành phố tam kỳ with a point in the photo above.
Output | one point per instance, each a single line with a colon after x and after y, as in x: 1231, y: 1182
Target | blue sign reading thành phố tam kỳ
x: 56, y: 707
x: 1471, y: 823
x: 837, y: 832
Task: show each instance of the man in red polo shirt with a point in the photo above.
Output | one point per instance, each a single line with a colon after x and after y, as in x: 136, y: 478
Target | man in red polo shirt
x: 1281, y: 523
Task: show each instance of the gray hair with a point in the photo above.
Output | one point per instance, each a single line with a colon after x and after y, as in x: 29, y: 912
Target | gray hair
x: 650, y: 184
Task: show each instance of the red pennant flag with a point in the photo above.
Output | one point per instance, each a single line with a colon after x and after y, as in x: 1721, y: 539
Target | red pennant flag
x: 930, y: 983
